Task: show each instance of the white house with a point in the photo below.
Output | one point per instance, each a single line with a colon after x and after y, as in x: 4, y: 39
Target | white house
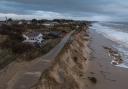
x: 20, y: 22
x: 33, y: 38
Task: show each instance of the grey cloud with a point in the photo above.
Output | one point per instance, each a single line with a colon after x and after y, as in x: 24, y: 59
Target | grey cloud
x: 77, y: 8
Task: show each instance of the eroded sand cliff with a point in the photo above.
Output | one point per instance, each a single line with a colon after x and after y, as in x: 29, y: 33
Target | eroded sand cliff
x: 69, y: 69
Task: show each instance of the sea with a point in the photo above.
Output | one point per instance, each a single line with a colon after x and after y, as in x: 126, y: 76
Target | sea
x: 118, y: 33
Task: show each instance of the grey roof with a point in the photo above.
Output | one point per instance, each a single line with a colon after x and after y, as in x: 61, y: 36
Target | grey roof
x: 32, y: 34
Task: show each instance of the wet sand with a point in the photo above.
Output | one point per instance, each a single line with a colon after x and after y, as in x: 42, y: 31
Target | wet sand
x: 108, y: 76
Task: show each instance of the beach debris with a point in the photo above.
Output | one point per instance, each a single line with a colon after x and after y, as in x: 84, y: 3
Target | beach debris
x: 92, y: 73
x: 75, y: 59
x: 116, y: 57
x: 93, y: 79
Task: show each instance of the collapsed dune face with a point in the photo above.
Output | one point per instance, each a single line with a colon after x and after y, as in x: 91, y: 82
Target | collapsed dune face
x: 69, y: 68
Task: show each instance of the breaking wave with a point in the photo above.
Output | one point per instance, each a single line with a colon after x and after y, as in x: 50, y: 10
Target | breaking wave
x: 118, y: 36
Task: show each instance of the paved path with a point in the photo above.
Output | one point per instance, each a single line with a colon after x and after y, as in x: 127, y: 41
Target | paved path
x: 30, y: 76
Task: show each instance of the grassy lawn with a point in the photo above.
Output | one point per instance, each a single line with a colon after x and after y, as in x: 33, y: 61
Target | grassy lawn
x: 7, y: 55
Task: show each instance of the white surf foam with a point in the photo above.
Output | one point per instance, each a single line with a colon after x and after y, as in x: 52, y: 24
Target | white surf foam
x: 117, y: 36
x: 122, y: 65
x: 112, y: 34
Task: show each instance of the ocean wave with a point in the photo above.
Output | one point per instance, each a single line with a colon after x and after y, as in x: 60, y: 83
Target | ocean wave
x: 120, y: 37
x: 112, y: 34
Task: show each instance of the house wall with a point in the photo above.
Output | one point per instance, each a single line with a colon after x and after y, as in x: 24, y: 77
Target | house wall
x: 37, y: 39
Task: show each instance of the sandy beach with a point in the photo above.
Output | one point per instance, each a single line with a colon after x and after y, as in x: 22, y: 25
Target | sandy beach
x: 108, y: 76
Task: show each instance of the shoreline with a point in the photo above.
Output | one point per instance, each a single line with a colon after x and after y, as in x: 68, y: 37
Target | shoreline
x: 108, y: 76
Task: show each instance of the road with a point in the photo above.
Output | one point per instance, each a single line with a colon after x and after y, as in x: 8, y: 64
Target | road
x: 30, y: 76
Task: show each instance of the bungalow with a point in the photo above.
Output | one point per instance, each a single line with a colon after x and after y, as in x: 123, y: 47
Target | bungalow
x: 33, y: 38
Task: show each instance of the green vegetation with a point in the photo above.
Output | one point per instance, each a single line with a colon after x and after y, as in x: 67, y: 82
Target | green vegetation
x: 6, y: 56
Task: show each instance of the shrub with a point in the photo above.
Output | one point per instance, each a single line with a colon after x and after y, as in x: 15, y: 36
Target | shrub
x: 22, y: 48
x: 6, y: 56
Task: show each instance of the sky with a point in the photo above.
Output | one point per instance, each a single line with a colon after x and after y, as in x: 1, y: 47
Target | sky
x: 93, y: 10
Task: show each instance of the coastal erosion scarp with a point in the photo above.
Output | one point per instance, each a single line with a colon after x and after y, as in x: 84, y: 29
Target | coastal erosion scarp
x: 68, y: 71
